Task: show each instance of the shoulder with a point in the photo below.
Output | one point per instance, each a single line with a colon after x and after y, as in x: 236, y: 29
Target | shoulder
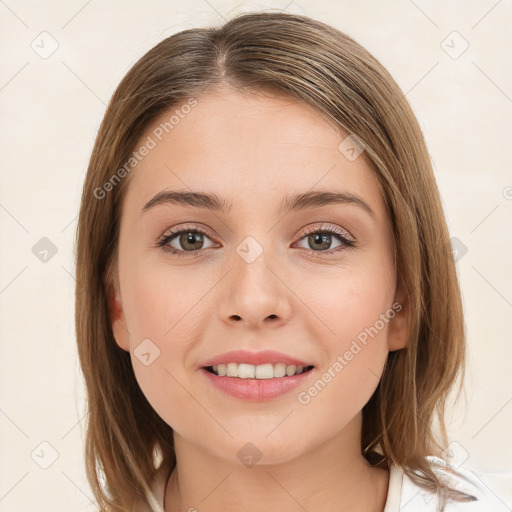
x: 411, y: 496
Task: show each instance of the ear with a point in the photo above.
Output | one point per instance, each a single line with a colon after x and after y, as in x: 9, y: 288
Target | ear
x: 399, y: 329
x: 115, y: 306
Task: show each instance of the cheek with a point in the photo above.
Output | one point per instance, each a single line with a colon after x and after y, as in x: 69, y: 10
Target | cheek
x: 347, y: 303
x: 351, y: 319
x: 164, y: 310
x: 162, y: 304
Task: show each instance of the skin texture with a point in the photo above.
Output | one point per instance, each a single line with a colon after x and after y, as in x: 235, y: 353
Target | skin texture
x: 255, y: 149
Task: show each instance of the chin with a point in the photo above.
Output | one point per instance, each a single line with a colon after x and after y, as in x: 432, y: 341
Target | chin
x: 257, y: 449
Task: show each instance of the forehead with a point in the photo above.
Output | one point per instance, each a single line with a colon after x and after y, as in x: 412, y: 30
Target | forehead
x: 253, y: 145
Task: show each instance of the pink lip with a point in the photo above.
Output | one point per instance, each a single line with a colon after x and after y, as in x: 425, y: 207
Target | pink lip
x: 255, y: 358
x: 255, y: 389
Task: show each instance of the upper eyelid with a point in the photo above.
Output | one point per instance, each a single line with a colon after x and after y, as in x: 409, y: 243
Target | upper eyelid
x: 328, y: 227
x: 201, y: 229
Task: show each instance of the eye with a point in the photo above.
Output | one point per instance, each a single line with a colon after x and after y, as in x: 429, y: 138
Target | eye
x: 190, y: 240
x: 321, y: 237
x: 183, y: 241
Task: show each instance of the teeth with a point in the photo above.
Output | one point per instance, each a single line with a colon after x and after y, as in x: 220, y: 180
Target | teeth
x: 279, y: 370
x: 262, y: 371
x: 232, y: 370
x: 246, y: 371
x: 290, y: 370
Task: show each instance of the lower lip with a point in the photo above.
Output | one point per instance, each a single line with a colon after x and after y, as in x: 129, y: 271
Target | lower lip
x: 256, y: 389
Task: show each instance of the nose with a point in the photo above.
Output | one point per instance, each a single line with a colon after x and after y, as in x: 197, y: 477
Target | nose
x: 255, y: 291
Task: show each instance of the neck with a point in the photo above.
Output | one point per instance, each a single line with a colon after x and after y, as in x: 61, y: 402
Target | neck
x: 332, y: 477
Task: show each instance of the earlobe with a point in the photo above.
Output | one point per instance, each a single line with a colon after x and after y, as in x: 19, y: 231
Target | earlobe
x: 399, y: 330
x: 116, y: 313
x: 398, y: 333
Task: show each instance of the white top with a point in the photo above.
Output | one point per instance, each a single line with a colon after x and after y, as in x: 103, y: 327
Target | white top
x: 403, y: 493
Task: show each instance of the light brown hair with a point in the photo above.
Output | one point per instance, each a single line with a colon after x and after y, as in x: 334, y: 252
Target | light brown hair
x: 329, y: 71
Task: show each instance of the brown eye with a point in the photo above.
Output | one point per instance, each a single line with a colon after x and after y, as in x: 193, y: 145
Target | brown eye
x: 190, y: 240
x: 320, y: 240
x: 184, y: 241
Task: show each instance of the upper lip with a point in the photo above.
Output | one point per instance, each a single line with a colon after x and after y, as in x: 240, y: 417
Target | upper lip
x: 254, y: 358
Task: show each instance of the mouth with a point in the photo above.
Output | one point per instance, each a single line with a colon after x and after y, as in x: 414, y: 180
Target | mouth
x: 259, y: 372
x: 257, y: 376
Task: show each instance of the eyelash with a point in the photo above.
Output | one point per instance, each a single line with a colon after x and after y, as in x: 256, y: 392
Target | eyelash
x: 346, y: 243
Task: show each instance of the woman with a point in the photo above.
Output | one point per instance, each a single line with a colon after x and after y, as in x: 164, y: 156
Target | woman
x: 268, y: 314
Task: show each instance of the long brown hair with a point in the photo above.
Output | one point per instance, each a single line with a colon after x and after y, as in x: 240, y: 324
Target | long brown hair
x: 328, y: 70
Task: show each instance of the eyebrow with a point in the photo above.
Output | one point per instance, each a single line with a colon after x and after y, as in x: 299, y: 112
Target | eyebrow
x: 290, y: 203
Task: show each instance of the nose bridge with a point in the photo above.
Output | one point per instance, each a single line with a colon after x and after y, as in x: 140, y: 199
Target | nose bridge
x: 254, y: 292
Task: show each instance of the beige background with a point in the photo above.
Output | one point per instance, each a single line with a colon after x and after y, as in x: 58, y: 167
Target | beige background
x: 51, y: 106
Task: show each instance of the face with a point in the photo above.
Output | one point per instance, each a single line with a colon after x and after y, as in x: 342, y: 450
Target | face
x: 313, y: 283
